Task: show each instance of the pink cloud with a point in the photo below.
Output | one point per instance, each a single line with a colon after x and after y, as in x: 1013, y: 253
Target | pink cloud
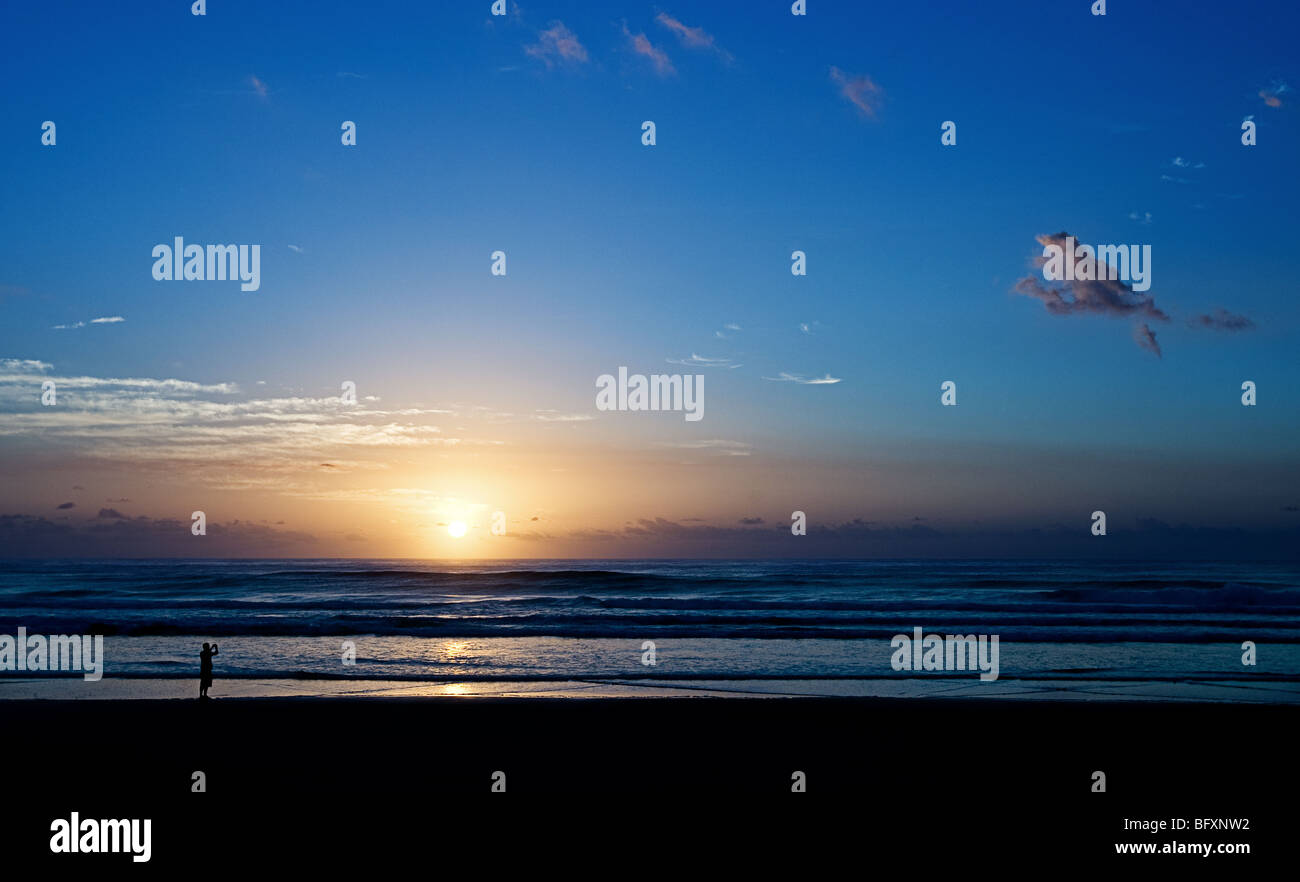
x: 557, y: 44
x: 642, y: 46
x: 695, y: 38
x: 861, y: 90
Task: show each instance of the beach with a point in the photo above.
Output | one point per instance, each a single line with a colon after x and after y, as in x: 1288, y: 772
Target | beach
x: 1014, y: 769
x: 386, y: 697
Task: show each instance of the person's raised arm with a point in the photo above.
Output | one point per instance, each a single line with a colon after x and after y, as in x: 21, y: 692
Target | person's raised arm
x: 215, y: 649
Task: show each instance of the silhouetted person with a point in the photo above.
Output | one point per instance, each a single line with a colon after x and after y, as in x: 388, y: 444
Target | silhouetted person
x: 205, y: 668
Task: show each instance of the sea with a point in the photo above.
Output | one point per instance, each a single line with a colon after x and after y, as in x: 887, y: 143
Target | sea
x: 1067, y: 630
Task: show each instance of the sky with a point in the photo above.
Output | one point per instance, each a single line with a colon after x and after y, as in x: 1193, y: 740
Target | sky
x: 774, y: 133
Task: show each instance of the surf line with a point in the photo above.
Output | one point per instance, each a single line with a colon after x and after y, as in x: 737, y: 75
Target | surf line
x: 953, y: 652
x: 60, y: 652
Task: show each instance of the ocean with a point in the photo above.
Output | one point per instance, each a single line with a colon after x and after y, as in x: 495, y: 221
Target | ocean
x: 1066, y: 629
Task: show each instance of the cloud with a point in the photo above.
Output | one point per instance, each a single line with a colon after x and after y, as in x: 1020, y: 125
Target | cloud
x: 1112, y: 297
x: 111, y: 513
x: 1108, y: 297
x: 104, y: 320
x: 295, y: 249
x: 787, y: 377
x: 694, y: 38
x: 24, y: 365
x: 1144, y: 218
x: 554, y: 416
x: 860, y: 90
x: 642, y: 46
x: 721, y: 447
x: 557, y: 44
x: 1222, y: 320
x: 258, y: 86
x: 349, y: 75
x: 1179, y: 162
x: 703, y: 361
x: 1146, y: 338
x: 67, y: 505
x: 210, y: 430
x: 1272, y: 94
x: 750, y: 522
x: 23, y: 535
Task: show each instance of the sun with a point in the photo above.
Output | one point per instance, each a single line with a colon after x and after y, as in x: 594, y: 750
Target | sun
x: 456, y: 529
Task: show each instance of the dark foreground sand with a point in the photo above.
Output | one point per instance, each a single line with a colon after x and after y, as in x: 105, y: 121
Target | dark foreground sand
x: 1007, y: 774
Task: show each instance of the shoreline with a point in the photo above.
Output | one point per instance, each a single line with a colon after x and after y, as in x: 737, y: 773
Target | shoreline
x: 1206, y: 691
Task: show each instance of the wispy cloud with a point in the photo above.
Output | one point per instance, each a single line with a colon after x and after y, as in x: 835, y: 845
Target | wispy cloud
x: 1179, y: 162
x: 1221, y: 320
x: 258, y: 86
x: 554, y: 416
x: 1272, y: 93
x: 211, y: 428
x: 703, y: 361
x: 1146, y: 338
x: 103, y: 320
x: 641, y: 45
x: 694, y: 38
x: 717, y: 445
x: 787, y: 377
x: 23, y: 366
x: 860, y: 90
x: 557, y: 45
x: 295, y: 249
x: 1144, y: 218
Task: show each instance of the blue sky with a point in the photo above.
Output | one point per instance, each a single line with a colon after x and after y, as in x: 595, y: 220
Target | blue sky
x: 522, y: 134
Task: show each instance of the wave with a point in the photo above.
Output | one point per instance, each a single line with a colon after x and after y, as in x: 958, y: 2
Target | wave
x: 666, y: 627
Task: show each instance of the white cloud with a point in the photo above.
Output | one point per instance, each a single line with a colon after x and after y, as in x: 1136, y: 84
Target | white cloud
x: 704, y: 361
x: 787, y: 377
